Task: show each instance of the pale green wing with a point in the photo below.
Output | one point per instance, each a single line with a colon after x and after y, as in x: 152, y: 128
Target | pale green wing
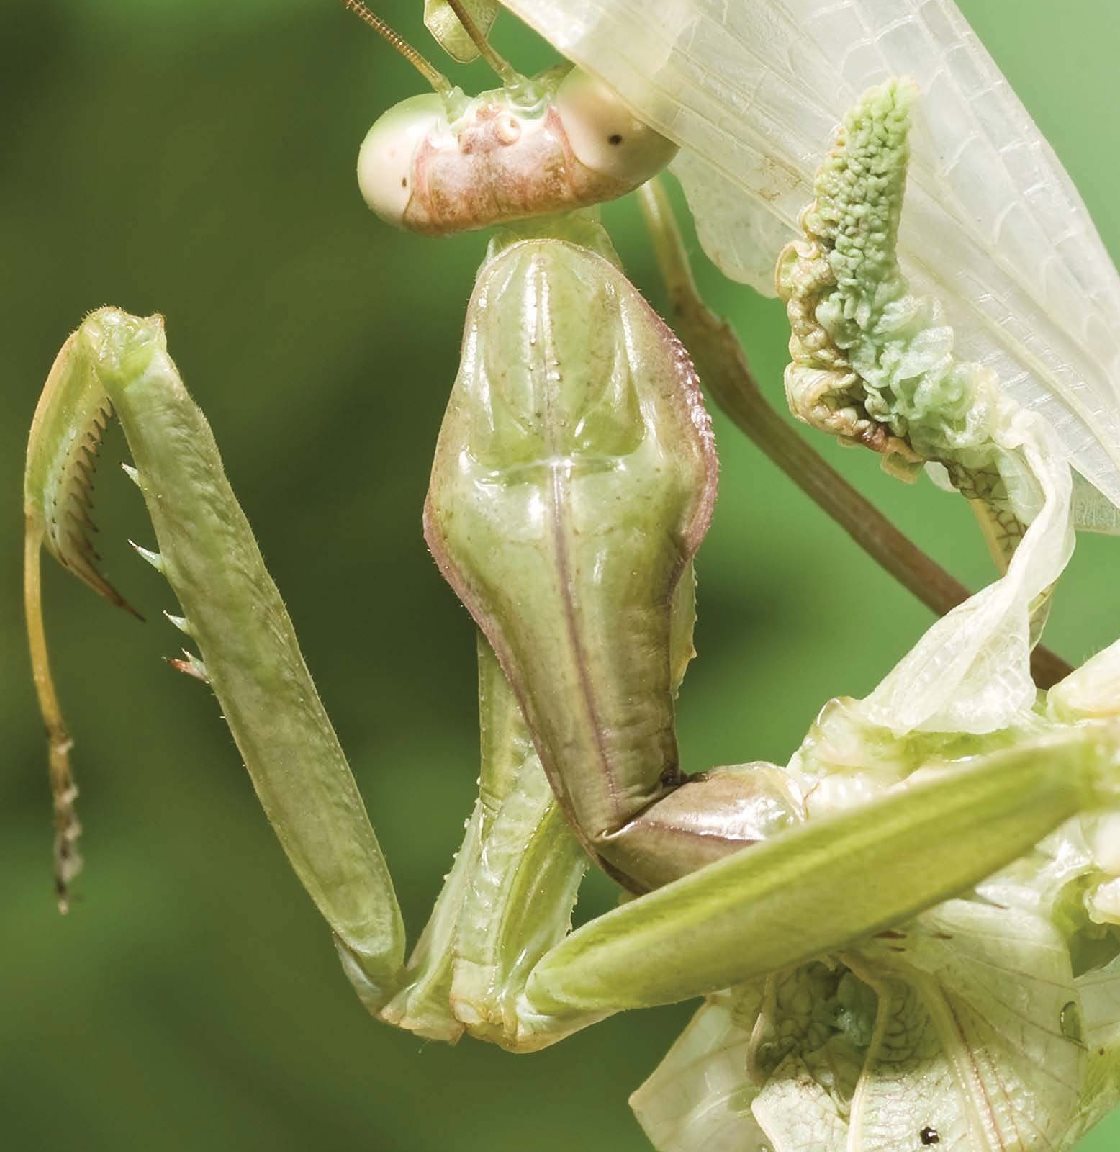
x: 966, y: 1030
x: 1092, y: 509
x: 753, y: 93
x: 1100, y: 1010
x: 978, y: 1037
x: 699, y: 1096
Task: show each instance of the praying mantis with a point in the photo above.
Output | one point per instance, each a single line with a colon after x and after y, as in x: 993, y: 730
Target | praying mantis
x: 638, y: 902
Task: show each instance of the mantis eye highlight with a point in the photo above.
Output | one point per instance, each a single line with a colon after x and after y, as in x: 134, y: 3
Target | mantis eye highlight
x: 385, y: 157
x: 605, y: 135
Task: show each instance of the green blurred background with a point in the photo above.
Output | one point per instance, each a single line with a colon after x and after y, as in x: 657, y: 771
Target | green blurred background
x: 195, y: 157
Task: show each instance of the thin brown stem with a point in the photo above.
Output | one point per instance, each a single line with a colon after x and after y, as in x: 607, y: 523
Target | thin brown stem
x: 723, y: 367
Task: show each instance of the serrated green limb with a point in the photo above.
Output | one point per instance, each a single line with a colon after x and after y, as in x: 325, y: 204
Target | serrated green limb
x: 66, y: 431
x: 518, y: 907
x: 62, y: 448
x: 64, y: 791
x: 422, y: 1003
x: 247, y: 645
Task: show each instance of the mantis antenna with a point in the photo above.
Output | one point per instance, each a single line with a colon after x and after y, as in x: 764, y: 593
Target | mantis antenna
x: 429, y: 71
x: 496, y: 62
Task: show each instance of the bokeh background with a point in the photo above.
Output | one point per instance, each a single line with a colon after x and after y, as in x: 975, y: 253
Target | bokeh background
x: 195, y: 157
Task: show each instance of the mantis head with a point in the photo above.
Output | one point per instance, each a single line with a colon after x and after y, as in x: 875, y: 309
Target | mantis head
x: 442, y: 162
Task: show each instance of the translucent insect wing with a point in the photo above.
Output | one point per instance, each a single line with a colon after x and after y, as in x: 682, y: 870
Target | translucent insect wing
x: 994, y: 227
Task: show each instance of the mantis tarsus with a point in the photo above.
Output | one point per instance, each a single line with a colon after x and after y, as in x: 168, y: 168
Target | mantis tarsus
x: 933, y: 823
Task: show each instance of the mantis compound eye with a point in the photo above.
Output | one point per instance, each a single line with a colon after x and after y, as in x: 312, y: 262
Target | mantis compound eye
x: 605, y: 135
x: 385, y: 157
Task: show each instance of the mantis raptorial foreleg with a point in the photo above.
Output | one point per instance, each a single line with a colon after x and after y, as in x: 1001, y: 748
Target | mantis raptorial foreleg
x: 250, y: 657
x: 232, y: 611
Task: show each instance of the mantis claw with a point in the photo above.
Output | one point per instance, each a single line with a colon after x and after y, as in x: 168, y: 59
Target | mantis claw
x: 247, y: 647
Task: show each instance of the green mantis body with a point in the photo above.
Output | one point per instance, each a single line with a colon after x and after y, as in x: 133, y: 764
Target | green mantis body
x: 572, y: 485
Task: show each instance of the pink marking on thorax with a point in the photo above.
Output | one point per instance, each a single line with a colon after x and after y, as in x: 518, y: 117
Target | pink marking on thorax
x: 500, y: 168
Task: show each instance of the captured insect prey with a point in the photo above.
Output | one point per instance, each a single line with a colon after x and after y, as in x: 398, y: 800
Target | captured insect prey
x: 852, y: 912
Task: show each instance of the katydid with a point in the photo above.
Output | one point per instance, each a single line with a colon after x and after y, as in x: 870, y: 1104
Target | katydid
x: 573, y: 482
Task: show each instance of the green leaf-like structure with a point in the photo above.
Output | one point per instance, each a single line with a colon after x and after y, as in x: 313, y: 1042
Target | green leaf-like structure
x: 873, y: 363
